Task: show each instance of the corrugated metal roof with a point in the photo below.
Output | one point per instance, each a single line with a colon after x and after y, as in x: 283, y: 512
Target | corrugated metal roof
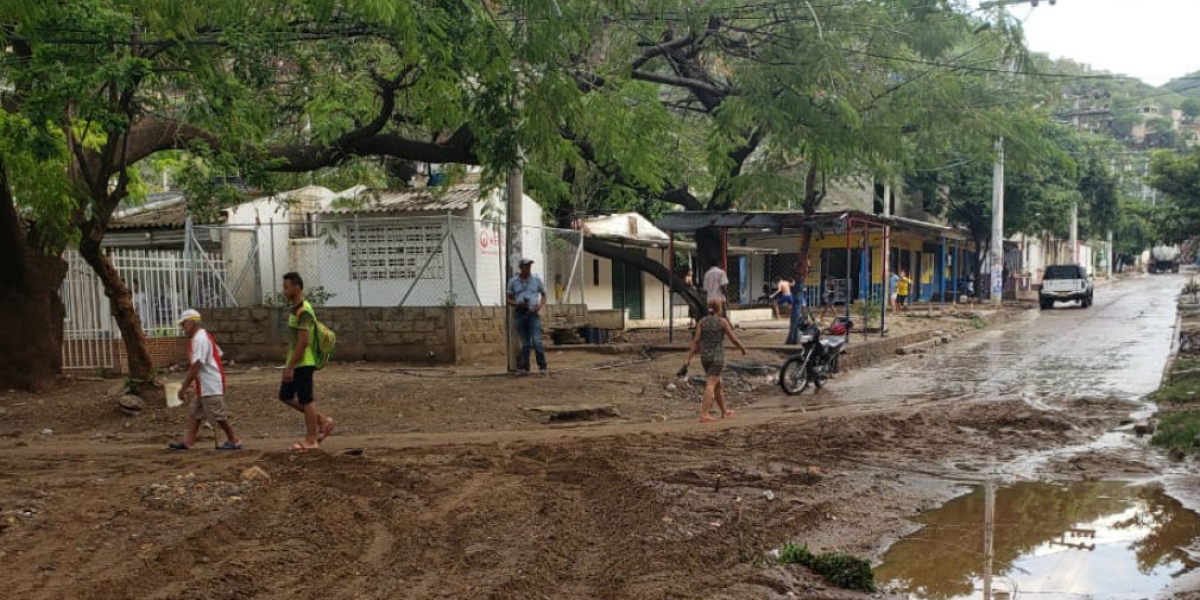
x: 165, y: 214
x: 457, y: 197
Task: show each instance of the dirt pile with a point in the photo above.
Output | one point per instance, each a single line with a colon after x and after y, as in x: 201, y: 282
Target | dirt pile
x: 631, y: 515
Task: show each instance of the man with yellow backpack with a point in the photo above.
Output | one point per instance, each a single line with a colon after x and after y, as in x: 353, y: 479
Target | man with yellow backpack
x: 310, y: 346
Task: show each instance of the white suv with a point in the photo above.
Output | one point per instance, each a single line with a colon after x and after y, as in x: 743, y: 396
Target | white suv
x: 1065, y: 283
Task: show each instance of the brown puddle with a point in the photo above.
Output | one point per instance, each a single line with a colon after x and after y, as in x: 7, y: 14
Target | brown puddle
x: 1052, y: 541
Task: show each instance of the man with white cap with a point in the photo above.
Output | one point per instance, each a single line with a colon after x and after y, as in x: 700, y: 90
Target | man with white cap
x: 527, y: 294
x: 207, y: 374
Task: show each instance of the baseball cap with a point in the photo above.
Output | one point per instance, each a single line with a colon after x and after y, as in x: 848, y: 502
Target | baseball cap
x: 525, y: 261
x: 189, y: 315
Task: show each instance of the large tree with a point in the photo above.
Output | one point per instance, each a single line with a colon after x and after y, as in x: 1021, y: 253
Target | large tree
x: 1177, y: 176
x: 252, y: 89
x: 725, y: 105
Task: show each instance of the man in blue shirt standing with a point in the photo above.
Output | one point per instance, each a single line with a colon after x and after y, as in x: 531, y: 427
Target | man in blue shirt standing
x: 527, y: 294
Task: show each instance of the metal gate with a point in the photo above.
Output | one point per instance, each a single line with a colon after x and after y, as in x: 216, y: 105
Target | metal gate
x: 88, y: 340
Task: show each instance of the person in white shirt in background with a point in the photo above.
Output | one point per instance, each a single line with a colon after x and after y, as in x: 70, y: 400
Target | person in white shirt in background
x: 206, y: 378
x: 715, y: 284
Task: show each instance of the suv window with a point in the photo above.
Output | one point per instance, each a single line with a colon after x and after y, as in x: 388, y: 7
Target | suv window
x: 1064, y: 272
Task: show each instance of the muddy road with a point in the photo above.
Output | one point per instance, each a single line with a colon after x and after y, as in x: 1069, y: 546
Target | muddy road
x: 444, y: 487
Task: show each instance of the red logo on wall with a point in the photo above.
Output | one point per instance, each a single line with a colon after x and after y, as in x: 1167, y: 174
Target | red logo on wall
x: 489, y: 242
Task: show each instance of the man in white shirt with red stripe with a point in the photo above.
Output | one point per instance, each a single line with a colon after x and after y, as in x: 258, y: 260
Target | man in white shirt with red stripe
x: 206, y: 378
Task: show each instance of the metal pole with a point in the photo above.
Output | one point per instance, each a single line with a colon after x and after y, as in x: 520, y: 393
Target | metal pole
x: 274, y: 278
x: 957, y: 268
x: 670, y: 294
x: 997, y: 250
x: 849, y: 262
x: 887, y: 291
x: 357, y: 280
x: 942, y: 275
x: 866, y: 273
x: 187, y: 259
x: 624, y: 300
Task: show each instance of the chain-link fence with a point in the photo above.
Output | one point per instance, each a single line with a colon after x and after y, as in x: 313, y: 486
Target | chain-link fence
x: 374, y: 261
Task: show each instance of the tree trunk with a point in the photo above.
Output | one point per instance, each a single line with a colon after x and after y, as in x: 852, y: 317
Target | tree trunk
x: 648, y: 265
x: 31, y: 312
x: 710, y: 250
x: 142, y: 377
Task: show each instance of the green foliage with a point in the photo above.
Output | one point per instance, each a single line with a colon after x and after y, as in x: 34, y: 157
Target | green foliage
x: 1178, y: 431
x: 1191, y: 107
x: 843, y: 570
x: 1183, y: 391
x: 1177, y: 176
x: 316, y: 295
x: 795, y: 554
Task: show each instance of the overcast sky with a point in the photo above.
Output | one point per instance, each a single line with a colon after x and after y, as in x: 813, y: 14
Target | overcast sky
x: 1154, y: 40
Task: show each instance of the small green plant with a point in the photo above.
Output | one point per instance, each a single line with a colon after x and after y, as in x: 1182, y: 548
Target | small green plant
x: 977, y: 322
x: 317, y: 296
x: 794, y: 554
x: 1178, y: 431
x: 843, y: 570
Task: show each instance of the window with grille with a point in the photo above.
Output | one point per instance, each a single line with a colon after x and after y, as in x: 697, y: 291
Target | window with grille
x: 396, y: 251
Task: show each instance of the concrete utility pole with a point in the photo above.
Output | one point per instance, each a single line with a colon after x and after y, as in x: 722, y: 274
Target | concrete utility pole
x: 1075, y: 233
x: 515, y: 194
x: 1108, y: 256
x: 996, y: 255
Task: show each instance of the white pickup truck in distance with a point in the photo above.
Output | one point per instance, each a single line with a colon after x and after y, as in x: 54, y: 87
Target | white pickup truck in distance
x: 1065, y: 283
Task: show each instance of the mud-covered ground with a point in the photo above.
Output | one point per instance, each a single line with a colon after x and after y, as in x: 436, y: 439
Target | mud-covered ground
x: 440, y: 484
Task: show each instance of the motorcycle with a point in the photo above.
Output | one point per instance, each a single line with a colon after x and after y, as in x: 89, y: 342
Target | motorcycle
x: 817, y: 360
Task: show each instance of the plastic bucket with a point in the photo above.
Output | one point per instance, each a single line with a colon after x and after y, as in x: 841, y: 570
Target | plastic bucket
x: 172, y: 391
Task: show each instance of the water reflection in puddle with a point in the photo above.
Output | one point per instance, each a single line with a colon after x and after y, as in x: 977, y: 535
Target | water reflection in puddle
x: 1083, y: 540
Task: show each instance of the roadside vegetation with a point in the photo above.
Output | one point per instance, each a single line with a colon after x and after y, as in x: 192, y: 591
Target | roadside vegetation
x: 843, y: 570
x: 1178, y: 428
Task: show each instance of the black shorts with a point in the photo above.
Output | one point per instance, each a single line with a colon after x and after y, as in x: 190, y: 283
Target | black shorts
x: 300, y: 388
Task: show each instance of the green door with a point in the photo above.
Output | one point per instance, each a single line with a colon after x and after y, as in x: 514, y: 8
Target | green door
x: 627, y: 289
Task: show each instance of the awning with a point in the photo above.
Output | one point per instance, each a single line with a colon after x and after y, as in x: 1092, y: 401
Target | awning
x: 679, y: 245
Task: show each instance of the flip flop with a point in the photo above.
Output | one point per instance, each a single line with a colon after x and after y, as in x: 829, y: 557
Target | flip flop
x: 327, y: 430
x: 177, y: 446
x: 299, y: 447
x: 229, y: 446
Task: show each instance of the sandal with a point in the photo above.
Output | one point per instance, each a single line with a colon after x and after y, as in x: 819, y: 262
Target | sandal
x: 177, y: 446
x: 326, y: 430
x: 229, y: 446
x: 300, y: 447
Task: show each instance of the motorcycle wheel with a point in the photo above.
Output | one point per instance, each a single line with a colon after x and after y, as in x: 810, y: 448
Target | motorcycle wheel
x: 820, y: 373
x: 794, y: 376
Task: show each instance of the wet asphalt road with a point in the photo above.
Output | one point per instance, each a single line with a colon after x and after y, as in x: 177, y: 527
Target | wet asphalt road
x: 1115, y: 349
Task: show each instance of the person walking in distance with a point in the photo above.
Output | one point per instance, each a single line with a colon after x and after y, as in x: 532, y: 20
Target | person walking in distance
x: 296, y: 388
x: 716, y: 282
x: 893, y: 290
x: 709, y: 343
x: 527, y: 295
x: 207, y: 374
x: 902, y: 289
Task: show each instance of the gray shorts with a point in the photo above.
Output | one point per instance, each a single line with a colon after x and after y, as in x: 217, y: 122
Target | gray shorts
x: 210, y: 408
